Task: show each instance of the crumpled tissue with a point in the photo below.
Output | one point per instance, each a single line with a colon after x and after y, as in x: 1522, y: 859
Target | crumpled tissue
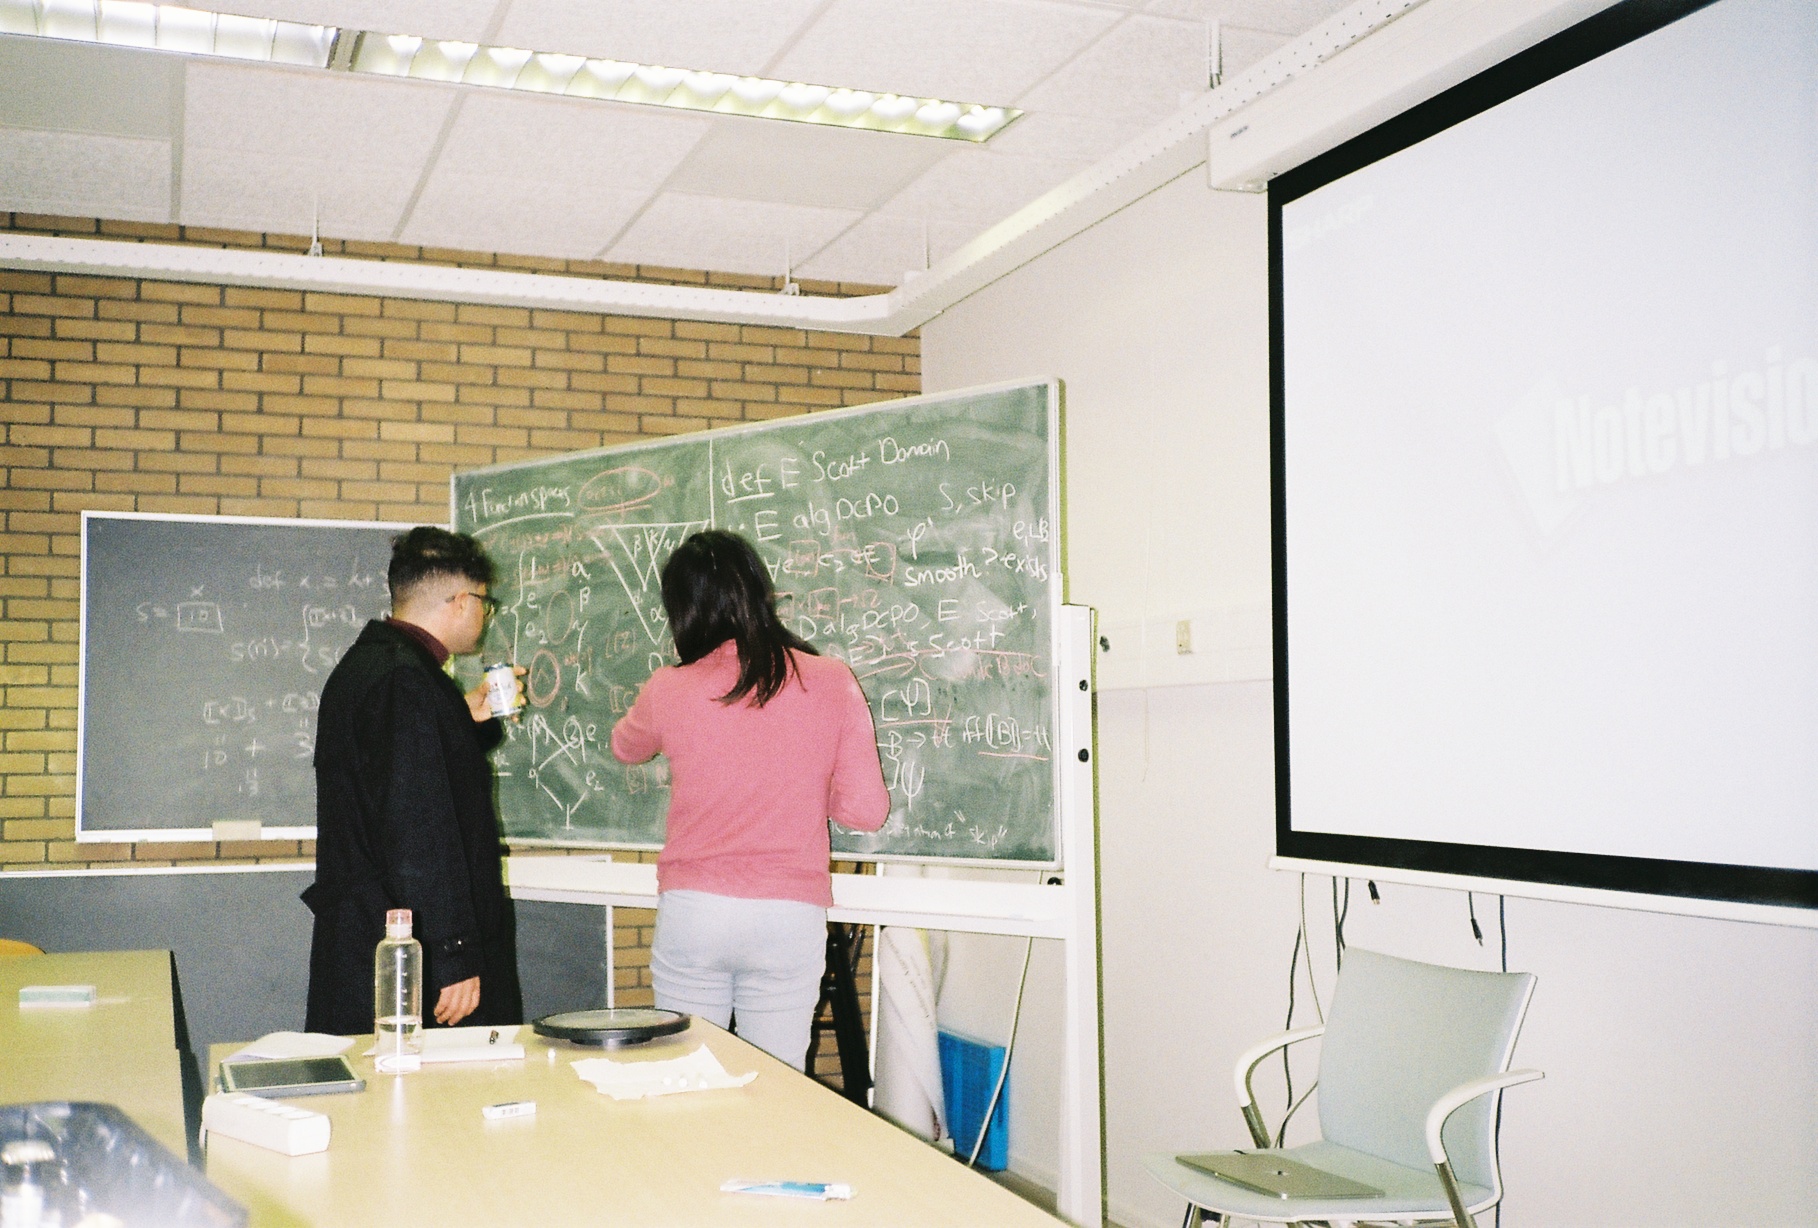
x: 698, y: 1071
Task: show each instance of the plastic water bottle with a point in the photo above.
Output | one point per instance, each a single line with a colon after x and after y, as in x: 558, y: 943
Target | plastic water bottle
x: 397, y: 988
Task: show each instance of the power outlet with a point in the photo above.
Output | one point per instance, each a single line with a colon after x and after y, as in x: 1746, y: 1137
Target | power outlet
x: 1183, y: 636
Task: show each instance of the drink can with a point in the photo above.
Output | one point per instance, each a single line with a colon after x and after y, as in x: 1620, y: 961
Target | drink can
x: 501, y: 694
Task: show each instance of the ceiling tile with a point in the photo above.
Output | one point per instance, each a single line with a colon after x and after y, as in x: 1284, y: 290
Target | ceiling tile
x: 985, y: 51
x: 878, y: 250
x: 518, y: 214
x: 1245, y: 47
x: 1290, y: 17
x: 462, y: 19
x: 1139, y: 71
x: 883, y: 250
x: 299, y: 113
x: 806, y: 164
x: 279, y: 195
x: 1046, y: 134
x: 736, y: 36
x: 734, y: 236
x: 980, y: 186
x: 75, y: 87
x: 84, y: 175
x: 569, y: 141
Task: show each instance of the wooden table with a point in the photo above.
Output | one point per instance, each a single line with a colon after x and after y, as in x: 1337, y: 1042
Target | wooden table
x: 122, y: 1050
x: 414, y: 1149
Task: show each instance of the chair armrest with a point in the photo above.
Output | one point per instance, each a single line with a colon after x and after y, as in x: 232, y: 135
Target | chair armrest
x: 1462, y: 1095
x: 1248, y: 1061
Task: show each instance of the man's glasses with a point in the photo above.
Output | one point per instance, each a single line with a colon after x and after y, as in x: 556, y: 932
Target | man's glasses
x: 487, y: 603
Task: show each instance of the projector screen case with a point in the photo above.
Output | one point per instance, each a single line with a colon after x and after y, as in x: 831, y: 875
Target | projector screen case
x: 1544, y: 392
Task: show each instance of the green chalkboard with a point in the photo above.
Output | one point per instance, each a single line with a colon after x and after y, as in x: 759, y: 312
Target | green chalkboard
x: 917, y: 540
x: 205, y: 644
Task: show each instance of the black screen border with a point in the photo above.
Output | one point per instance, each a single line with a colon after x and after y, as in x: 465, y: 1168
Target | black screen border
x: 1596, y: 36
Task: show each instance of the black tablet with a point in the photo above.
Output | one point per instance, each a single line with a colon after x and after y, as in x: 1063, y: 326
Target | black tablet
x: 291, y: 1076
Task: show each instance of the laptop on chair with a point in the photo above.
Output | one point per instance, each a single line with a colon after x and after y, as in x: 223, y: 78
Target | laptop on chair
x: 1278, y: 1175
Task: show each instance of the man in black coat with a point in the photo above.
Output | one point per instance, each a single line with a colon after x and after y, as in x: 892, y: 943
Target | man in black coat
x: 404, y: 815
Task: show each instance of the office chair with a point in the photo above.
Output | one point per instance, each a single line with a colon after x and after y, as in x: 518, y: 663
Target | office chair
x: 1412, y: 1065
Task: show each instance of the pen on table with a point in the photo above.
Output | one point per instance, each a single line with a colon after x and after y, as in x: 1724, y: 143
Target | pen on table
x: 822, y: 1190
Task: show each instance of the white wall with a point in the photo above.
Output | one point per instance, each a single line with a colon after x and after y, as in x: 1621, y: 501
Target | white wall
x: 1682, y: 1054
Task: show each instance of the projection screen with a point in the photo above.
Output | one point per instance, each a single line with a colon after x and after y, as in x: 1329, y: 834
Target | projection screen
x: 1545, y: 448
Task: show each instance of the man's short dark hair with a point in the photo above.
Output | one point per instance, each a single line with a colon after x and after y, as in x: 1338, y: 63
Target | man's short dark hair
x: 427, y: 552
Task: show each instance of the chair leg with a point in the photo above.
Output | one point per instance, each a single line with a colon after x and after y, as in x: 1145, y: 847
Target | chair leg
x: 1450, y: 1184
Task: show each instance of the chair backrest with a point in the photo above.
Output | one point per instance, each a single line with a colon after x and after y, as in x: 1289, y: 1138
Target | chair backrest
x: 1401, y: 1034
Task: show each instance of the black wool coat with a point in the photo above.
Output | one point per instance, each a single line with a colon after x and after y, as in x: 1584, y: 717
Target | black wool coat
x: 404, y: 819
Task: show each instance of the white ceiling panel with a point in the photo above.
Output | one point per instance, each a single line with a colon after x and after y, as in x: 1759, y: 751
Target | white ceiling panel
x: 1066, y: 138
x: 78, y: 87
x: 282, y: 112
x: 881, y: 249
x: 1147, y: 66
x: 1273, y: 16
x: 736, y: 36
x: 806, y: 164
x: 357, y: 199
x: 878, y: 250
x: 735, y: 236
x: 986, y: 51
x: 262, y: 146
x: 577, y: 143
x: 508, y: 214
x: 458, y: 19
x: 1245, y: 47
x: 980, y: 187
x: 85, y: 175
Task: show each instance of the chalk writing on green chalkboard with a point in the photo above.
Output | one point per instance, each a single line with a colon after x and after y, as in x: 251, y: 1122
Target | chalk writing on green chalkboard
x: 220, y: 632
x: 914, y: 540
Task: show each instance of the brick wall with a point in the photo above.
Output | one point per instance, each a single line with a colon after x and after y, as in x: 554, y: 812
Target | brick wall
x: 141, y: 395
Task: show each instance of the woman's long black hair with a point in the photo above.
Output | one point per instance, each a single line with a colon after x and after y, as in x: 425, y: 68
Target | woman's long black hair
x: 716, y: 588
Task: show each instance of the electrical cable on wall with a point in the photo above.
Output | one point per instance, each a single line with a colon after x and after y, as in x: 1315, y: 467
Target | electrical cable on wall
x: 1339, y: 914
x: 1016, y: 1013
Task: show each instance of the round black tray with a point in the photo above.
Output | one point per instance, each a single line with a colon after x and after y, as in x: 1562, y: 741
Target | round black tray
x: 614, y: 1028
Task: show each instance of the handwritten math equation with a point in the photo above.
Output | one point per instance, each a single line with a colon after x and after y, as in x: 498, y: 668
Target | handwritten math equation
x: 927, y: 561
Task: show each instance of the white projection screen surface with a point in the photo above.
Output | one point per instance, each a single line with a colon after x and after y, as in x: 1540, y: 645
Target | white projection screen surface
x: 1545, y: 450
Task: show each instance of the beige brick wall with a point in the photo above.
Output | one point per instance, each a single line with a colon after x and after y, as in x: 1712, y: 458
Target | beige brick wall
x: 125, y: 394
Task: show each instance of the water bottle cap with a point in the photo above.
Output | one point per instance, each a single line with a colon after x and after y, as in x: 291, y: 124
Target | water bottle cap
x: 397, y: 923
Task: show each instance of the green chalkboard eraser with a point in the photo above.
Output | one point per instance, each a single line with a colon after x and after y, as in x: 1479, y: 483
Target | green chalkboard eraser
x: 56, y: 995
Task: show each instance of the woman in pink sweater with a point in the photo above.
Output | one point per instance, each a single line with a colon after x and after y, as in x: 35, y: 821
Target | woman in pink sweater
x: 766, y: 741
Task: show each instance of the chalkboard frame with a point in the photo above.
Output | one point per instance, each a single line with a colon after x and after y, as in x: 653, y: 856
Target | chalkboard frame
x: 1056, y: 597
x: 201, y: 831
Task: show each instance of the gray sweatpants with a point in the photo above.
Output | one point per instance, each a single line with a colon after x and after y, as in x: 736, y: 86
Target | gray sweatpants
x: 717, y: 956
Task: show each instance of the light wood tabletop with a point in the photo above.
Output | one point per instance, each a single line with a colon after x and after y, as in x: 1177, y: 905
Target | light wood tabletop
x: 133, y: 1007
x: 122, y: 1050
x: 414, y: 1148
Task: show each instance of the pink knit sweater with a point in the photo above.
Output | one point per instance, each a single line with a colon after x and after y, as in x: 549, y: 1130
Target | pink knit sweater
x: 751, y: 789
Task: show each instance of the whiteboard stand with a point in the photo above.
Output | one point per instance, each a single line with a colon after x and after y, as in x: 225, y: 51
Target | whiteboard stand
x: 1067, y: 911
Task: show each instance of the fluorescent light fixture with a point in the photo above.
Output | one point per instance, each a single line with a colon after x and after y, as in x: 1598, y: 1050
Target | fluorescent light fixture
x: 170, y: 27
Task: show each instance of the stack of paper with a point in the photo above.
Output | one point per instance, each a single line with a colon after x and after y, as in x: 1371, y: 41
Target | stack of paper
x: 480, y: 1044
x: 293, y: 1044
x: 699, y: 1071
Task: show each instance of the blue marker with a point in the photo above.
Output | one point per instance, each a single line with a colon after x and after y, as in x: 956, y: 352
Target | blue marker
x: 820, y: 1191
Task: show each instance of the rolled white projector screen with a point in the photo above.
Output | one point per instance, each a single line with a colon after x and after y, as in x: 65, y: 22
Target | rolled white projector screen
x: 1547, y: 468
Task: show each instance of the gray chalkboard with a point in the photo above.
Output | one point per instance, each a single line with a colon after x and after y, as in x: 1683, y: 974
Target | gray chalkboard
x: 917, y: 540
x: 205, y: 643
